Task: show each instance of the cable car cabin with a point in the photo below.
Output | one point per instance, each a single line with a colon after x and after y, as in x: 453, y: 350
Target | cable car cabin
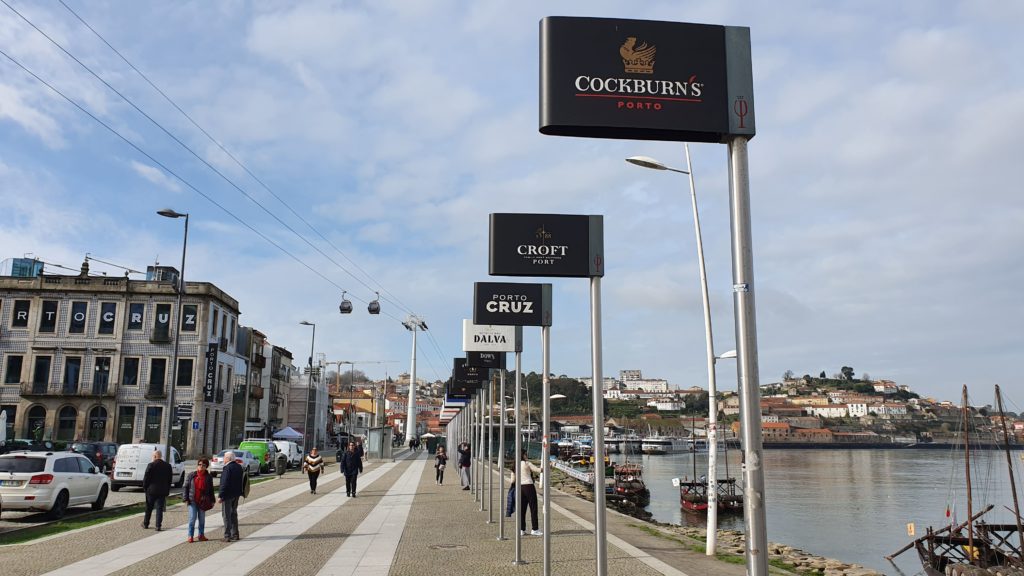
x: 345, y: 307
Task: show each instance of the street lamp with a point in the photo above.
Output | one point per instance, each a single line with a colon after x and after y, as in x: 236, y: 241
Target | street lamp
x: 309, y: 389
x: 171, y: 412
x: 712, y: 533
x: 412, y: 323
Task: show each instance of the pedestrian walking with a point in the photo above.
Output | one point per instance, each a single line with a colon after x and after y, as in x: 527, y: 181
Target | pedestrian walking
x: 351, y: 466
x: 529, y: 491
x: 313, y: 465
x: 440, y: 459
x: 156, y: 482
x: 412, y: 444
x: 198, y: 496
x: 232, y: 484
x: 359, y: 450
x: 464, y: 460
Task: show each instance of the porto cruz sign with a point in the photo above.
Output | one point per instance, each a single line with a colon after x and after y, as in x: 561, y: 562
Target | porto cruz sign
x: 506, y: 338
x: 564, y: 245
x: 507, y: 304
x: 645, y: 80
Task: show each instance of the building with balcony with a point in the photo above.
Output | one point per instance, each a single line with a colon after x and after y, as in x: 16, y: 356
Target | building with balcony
x: 87, y: 357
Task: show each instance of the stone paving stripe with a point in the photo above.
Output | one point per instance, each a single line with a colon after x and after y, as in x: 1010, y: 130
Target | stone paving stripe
x: 626, y: 547
x: 371, y: 549
x: 243, y: 556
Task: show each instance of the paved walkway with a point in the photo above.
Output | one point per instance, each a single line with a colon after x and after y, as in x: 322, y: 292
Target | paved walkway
x: 401, y: 523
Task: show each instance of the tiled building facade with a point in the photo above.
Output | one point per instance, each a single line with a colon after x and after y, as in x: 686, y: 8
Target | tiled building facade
x: 87, y: 357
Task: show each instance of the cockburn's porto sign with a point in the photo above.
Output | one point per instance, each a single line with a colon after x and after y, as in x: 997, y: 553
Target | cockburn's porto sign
x: 490, y: 360
x: 509, y: 304
x: 645, y: 80
x: 485, y: 338
x: 565, y: 245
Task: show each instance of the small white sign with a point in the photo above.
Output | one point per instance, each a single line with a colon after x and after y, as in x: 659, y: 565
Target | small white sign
x: 489, y: 338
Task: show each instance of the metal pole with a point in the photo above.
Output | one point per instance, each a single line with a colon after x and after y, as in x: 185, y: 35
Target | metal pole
x: 351, y: 398
x: 481, y: 477
x: 490, y: 442
x: 171, y: 408
x: 410, y: 426
x: 309, y: 389
x: 515, y: 460
x: 501, y: 454
x: 746, y: 356
x: 545, y: 337
x: 600, y: 528
x: 712, y: 489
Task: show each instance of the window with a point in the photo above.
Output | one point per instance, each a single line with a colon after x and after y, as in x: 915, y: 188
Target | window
x: 19, y: 316
x: 185, y: 372
x: 36, y: 422
x: 108, y: 314
x: 162, y: 323
x: 189, y: 317
x: 72, y: 374
x: 85, y: 466
x: 48, y: 319
x: 213, y: 325
x: 157, y: 375
x: 130, y: 374
x: 231, y: 332
x: 66, y: 425
x: 97, y: 424
x: 100, y: 374
x: 41, y: 374
x: 79, y: 312
x: 12, y: 374
x: 136, y: 314
x: 151, y: 433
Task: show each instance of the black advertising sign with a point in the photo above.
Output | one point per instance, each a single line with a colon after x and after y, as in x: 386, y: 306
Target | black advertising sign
x: 465, y: 379
x: 493, y: 360
x: 645, y: 80
x: 562, y: 245
x: 210, y: 382
x: 510, y: 304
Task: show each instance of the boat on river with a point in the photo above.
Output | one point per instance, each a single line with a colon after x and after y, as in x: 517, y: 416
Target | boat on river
x: 664, y: 445
x: 973, y: 547
x: 693, y: 495
x: 629, y: 483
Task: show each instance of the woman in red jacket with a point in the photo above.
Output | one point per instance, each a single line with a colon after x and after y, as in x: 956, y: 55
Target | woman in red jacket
x: 198, y: 496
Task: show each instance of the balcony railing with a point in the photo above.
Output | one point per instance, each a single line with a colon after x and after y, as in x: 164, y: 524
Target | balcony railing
x: 259, y: 361
x: 154, y: 393
x: 223, y: 344
x: 29, y: 389
x: 160, y: 337
x: 256, y: 392
x: 219, y: 397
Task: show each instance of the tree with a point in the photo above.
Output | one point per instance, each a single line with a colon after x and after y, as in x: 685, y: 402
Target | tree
x: 822, y: 375
x: 847, y: 372
x: 787, y: 375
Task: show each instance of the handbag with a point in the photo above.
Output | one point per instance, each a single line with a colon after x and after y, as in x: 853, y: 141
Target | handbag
x: 440, y: 466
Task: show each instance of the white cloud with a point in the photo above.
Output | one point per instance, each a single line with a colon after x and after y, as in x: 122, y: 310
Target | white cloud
x: 156, y: 176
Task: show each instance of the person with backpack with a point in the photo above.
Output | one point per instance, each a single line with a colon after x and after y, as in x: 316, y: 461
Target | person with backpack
x: 313, y: 465
x: 439, y: 463
x: 198, y: 496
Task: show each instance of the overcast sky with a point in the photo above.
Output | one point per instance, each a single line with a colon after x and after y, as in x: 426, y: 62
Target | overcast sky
x: 887, y: 223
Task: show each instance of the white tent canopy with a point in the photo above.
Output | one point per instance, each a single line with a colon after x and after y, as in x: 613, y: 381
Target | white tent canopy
x: 287, y: 433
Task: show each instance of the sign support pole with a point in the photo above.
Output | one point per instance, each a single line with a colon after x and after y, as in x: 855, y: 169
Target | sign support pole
x: 515, y: 460
x: 475, y: 446
x: 746, y: 355
x: 482, y: 478
x: 597, y: 379
x: 545, y: 336
x: 501, y: 454
x: 490, y: 444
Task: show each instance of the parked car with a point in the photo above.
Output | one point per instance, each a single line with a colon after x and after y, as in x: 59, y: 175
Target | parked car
x: 51, y: 482
x: 264, y: 450
x: 132, y: 459
x: 291, y: 451
x: 101, y: 454
x: 244, y: 457
x: 22, y: 444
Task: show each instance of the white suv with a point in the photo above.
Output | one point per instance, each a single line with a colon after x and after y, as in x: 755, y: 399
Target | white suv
x: 50, y: 482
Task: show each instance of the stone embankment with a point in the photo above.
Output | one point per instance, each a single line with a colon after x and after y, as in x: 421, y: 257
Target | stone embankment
x: 730, y: 542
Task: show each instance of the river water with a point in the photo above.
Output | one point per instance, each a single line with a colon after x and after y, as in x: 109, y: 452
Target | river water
x: 851, y: 505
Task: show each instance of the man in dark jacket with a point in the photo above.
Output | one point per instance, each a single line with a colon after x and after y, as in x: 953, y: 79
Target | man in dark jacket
x: 231, y: 485
x: 464, y: 459
x: 157, y: 484
x: 351, y: 466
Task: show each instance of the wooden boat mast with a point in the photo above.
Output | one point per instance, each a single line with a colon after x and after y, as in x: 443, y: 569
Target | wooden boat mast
x: 1009, y: 466
x: 967, y: 465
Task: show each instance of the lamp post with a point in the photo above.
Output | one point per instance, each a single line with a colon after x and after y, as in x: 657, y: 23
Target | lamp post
x: 412, y: 323
x: 351, y: 395
x: 647, y: 162
x: 309, y: 389
x: 171, y: 412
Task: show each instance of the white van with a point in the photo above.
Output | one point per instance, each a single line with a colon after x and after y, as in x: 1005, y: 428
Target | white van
x: 131, y: 462
x: 291, y: 450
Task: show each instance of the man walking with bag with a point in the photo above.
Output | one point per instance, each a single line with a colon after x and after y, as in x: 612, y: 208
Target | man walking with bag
x: 232, y: 485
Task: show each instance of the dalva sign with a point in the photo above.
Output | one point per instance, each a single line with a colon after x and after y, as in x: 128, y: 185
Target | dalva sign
x: 489, y: 338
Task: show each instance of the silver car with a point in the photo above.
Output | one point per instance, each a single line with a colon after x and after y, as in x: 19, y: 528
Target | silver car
x: 243, y: 457
x: 50, y: 482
